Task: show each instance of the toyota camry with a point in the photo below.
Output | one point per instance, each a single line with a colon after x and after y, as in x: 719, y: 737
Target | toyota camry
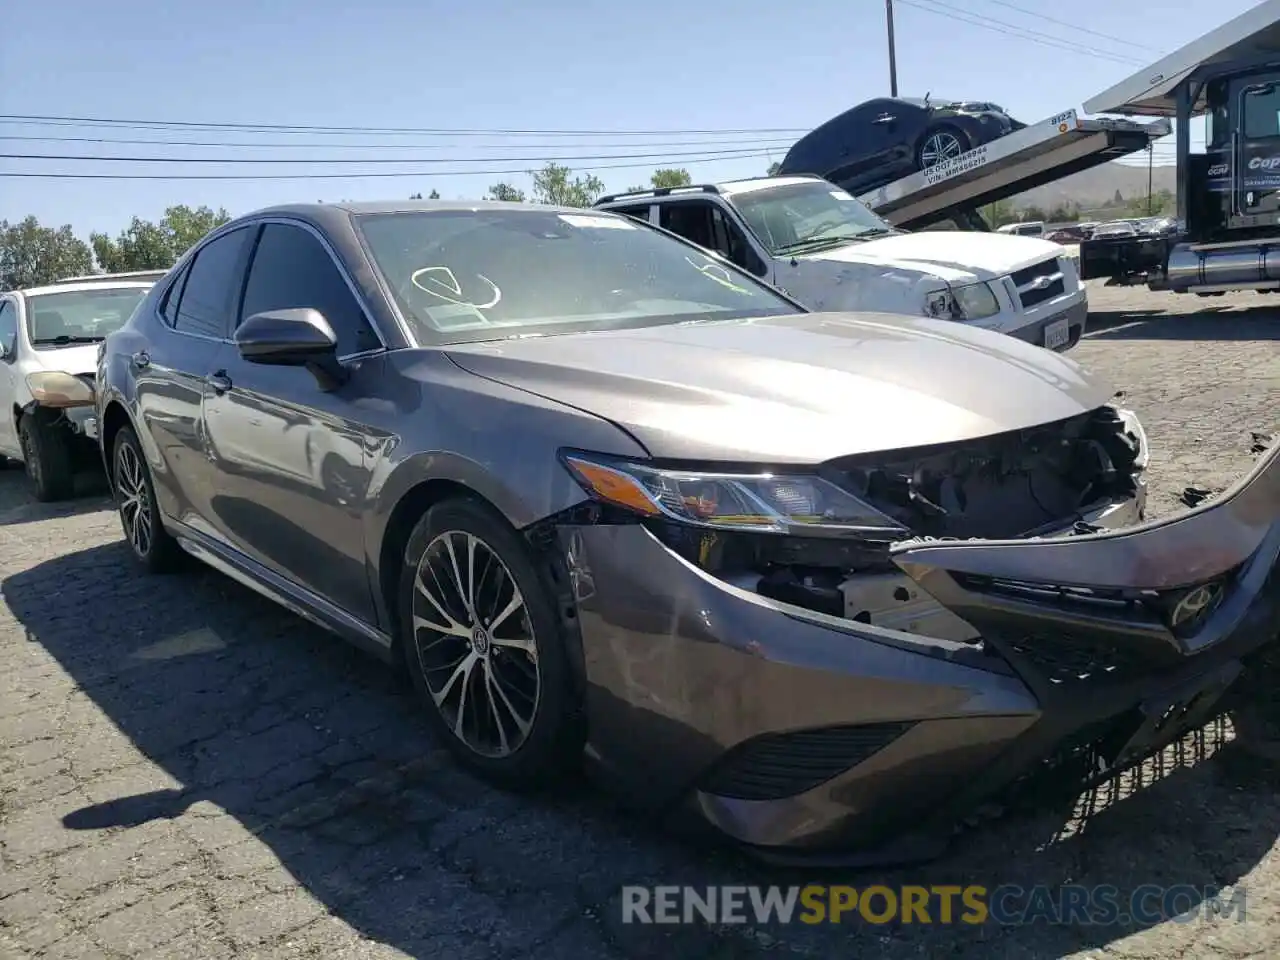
x: 827, y: 581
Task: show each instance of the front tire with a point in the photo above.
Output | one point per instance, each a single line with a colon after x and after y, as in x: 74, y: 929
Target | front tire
x: 135, y: 496
x: 485, y: 648
x: 46, y: 455
x: 939, y: 145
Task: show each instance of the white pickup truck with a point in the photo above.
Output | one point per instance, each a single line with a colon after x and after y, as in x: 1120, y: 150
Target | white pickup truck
x: 827, y: 250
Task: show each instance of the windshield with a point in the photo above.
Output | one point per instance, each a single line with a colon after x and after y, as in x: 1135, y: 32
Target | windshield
x: 80, y: 316
x: 469, y: 275
x: 799, y: 216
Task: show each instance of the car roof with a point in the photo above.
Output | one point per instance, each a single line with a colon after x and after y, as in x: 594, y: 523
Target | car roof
x: 86, y: 285
x: 322, y: 212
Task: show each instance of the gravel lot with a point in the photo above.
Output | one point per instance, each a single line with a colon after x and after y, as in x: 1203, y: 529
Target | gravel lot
x: 187, y: 771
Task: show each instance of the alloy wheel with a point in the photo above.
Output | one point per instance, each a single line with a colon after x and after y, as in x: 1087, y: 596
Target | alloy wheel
x: 475, y: 644
x: 939, y: 147
x: 135, y: 502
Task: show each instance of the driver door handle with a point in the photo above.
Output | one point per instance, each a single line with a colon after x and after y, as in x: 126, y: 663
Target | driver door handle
x: 219, y: 382
x: 884, y: 118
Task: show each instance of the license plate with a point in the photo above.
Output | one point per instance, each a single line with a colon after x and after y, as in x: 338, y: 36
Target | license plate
x: 1056, y: 334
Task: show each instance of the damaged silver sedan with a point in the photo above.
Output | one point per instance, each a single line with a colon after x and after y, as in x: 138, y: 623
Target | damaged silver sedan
x: 829, y: 582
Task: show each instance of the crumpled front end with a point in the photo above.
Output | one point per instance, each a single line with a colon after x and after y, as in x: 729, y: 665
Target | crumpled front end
x: 856, y: 716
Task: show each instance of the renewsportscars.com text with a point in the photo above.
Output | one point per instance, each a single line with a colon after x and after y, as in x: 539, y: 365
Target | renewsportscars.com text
x: 1008, y: 905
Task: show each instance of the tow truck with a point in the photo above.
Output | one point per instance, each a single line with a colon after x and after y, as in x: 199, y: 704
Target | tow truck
x: 1040, y: 153
x: 1227, y: 234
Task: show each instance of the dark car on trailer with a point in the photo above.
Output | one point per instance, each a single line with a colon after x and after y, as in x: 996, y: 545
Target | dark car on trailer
x: 881, y: 140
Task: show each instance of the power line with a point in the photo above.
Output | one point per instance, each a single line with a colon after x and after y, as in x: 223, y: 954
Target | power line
x: 695, y: 155
x: 45, y: 119
x: 1017, y: 32
x: 1075, y: 26
x: 128, y: 141
x: 323, y: 176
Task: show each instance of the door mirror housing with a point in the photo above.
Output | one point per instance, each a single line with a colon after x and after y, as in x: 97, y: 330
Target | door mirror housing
x: 297, y: 337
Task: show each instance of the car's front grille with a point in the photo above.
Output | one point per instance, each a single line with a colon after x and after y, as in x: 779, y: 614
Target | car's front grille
x: 1039, y: 282
x: 778, y: 765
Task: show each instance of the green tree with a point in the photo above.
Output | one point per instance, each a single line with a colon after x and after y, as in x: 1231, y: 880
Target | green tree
x: 1062, y: 213
x: 661, y: 178
x: 156, y: 246
x: 1033, y: 213
x: 505, y: 191
x: 433, y: 195
x: 555, y: 184
x: 32, y: 255
x: 773, y: 169
x: 671, y: 177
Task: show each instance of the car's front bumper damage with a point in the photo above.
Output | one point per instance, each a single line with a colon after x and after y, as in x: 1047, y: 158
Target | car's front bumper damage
x: 806, y: 736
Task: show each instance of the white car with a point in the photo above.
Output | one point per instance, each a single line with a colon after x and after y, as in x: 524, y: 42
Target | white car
x: 49, y: 340
x: 826, y: 249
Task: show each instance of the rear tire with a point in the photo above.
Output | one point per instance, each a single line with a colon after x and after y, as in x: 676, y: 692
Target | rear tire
x: 494, y: 675
x: 47, y: 458
x: 135, y: 496
x: 939, y: 144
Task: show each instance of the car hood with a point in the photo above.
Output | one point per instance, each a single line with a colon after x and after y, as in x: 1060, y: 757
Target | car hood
x: 954, y: 257
x: 801, y: 388
x: 79, y: 358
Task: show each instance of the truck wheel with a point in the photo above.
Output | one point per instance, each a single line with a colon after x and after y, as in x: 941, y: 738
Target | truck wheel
x: 47, y: 458
x: 940, y: 144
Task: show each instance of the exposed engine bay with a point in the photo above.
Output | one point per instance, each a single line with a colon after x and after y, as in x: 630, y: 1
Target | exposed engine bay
x: 1051, y: 480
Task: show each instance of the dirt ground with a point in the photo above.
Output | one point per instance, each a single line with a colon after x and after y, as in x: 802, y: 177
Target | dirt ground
x: 187, y: 771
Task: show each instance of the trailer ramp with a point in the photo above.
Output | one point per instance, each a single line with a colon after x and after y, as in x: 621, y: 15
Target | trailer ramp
x: 1031, y: 157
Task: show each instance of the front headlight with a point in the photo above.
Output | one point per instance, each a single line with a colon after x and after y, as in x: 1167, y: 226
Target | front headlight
x: 53, y: 388
x: 758, y: 502
x: 973, y: 301
x: 976, y: 301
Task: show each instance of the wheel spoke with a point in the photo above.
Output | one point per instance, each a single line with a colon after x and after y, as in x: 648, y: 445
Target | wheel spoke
x: 452, y: 626
x: 494, y: 683
x: 461, y: 672
x: 457, y: 577
x: 515, y: 603
x: 498, y: 725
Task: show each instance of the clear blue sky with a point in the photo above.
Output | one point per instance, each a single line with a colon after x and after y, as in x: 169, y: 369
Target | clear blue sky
x: 551, y: 65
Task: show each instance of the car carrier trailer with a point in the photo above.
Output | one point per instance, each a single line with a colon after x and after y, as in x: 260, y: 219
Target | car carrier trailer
x: 1040, y: 153
x: 1228, y: 222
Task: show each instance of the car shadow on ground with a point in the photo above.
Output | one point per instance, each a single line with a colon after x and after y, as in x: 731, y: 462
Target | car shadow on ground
x: 17, y: 505
x: 1213, y: 323
x: 319, y: 753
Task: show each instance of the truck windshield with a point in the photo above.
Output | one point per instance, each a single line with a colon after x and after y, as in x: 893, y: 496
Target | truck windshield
x: 795, y: 216
x: 1262, y: 112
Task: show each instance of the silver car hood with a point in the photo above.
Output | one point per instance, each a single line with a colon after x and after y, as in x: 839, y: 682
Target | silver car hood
x: 795, y: 389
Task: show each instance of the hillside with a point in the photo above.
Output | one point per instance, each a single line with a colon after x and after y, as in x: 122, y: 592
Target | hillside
x: 1097, y: 187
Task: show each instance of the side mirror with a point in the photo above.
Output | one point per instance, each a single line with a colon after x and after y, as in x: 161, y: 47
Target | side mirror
x: 298, y: 337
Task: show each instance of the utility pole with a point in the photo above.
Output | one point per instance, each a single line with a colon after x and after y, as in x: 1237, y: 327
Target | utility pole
x: 1151, y: 154
x: 893, y: 55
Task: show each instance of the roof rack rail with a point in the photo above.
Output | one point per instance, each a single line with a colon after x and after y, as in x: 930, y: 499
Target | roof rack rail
x: 127, y: 275
x: 659, y: 192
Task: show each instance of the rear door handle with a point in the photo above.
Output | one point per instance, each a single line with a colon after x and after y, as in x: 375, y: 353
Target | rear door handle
x: 141, y: 360
x: 219, y: 381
